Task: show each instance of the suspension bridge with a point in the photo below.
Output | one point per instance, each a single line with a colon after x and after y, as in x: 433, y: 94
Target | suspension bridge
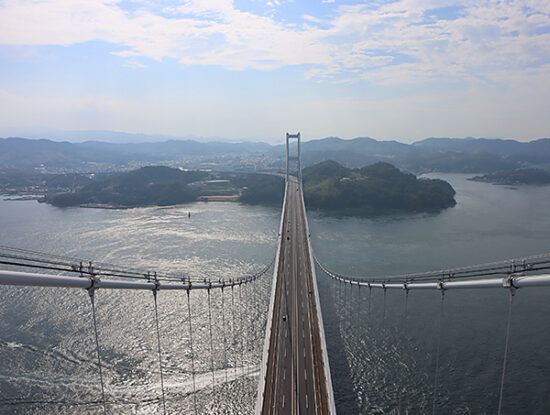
x: 294, y: 372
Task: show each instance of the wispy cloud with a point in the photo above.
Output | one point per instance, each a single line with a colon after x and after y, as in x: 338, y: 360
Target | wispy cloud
x: 468, y: 43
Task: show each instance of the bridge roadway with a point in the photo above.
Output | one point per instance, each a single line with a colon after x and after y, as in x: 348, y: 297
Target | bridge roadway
x: 295, y: 379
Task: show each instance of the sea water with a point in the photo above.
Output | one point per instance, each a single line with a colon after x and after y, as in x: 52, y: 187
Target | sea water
x: 382, y: 348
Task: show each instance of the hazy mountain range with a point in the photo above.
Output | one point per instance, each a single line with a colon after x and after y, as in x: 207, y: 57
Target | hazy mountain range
x: 119, y: 137
x: 432, y: 154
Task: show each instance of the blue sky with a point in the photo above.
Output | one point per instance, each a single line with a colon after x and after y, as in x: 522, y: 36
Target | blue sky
x: 254, y: 69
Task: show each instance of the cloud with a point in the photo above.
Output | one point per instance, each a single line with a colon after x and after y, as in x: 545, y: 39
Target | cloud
x: 467, y: 42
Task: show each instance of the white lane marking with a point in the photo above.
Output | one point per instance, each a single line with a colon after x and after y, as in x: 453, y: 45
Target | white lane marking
x: 305, y: 374
x: 307, y: 405
x: 284, y: 372
x: 284, y: 401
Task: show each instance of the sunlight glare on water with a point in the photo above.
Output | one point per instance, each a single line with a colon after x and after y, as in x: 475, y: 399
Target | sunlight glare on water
x: 382, y: 349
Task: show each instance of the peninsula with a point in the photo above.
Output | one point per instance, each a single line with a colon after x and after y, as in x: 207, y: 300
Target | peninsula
x: 516, y: 177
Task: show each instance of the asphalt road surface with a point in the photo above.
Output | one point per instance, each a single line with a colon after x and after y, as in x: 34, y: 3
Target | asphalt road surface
x: 295, y: 378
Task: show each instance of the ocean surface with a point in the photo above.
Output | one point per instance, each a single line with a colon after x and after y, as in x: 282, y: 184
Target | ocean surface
x: 382, y: 348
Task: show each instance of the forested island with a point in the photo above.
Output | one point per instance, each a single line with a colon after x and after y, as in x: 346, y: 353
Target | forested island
x: 516, y: 177
x: 148, y: 186
x: 377, y: 186
x: 165, y: 186
x: 327, y: 185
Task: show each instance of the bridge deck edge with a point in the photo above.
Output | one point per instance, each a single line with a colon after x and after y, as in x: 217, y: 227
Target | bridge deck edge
x: 326, y: 365
x: 263, y: 368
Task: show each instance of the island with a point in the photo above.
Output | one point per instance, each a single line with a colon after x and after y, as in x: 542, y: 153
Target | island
x: 379, y: 186
x: 532, y: 176
x: 147, y: 186
x: 327, y: 185
x: 166, y: 186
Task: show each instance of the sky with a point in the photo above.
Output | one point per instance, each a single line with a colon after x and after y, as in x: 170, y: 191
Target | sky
x: 256, y: 69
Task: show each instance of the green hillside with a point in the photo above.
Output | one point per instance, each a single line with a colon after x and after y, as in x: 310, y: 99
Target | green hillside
x: 378, y: 186
x: 148, y: 186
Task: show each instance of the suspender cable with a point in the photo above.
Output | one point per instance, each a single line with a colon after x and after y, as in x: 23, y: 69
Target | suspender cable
x: 211, y: 341
x: 248, y: 328
x: 402, y: 331
x: 233, y: 328
x: 192, y: 352
x: 256, y: 306
x: 512, y: 292
x: 384, y: 307
x: 405, y: 309
x: 159, y: 352
x: 370, y: 297
x: 242, y: 335
x: 251, y: 331
x: 224, y: 339
x: 91, y: 292
x: 253, y: 313
x: 440, y: 328
x: 338, y: 304
x: 406, y: 303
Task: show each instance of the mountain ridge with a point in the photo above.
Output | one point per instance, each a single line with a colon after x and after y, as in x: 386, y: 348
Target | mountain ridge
x: 432, y: 154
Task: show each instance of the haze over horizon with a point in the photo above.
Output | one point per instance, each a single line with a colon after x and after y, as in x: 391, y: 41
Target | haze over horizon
x: 121, y: 137
x: 252, y: 70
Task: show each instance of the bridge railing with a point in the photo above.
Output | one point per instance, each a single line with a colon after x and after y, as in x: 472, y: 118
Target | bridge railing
x: 93, y: 275
x: 328, y: 378
x: 513, y: 275
x: 72, y: 273
x: 263, y: 366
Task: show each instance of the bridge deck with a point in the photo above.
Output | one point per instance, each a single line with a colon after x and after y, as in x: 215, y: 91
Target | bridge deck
x: 296, y: 373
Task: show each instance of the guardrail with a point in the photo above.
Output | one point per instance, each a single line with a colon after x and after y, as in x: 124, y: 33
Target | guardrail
x: 328, y: 379
x: 263, y: 367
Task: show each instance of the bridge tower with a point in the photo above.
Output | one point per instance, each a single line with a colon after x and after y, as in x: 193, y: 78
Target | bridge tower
x: 298, y: 158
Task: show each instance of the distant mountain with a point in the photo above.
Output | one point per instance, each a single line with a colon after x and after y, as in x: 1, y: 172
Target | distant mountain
x: 433, y: 154
x: 119, y: 137
x: 176, y: 148
x: 362, y: 145
x: 354, y: 152
x: 488, y: 146
x: 463, y: 155
x: 455, y: 162
x: 25, y: 153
